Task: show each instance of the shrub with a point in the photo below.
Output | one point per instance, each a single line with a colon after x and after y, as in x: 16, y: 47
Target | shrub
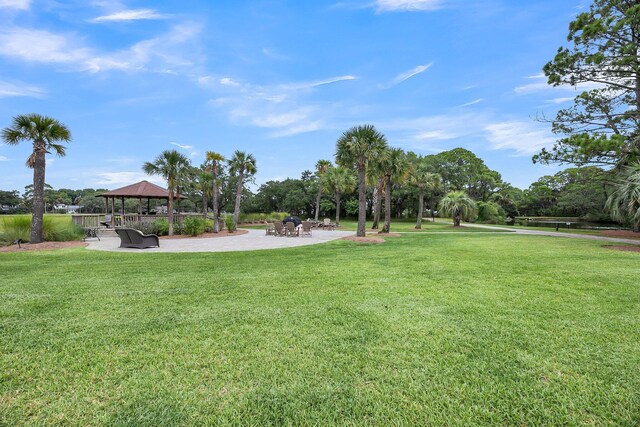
x: 14, y: 228
x: 54, y: 230
x: 231, y: 226
x: 160, y: 227
x: 194, y: 225
x: 259, y: 217
x: 490, y: 212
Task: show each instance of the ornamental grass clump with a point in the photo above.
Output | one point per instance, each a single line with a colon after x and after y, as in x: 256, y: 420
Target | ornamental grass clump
x: 19, y: 227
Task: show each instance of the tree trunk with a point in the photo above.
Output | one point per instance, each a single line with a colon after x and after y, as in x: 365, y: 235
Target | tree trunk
x: 420, y: 208
x: 456, y: 218
x: 362, y: 202
x: 387, y: 205
x: 236, y: 209
x: 377, y: 199
x: 204, y: 202
x: 318, y: 201
x: 216, y: 220
x: 170, y: 211
x: 37, y: 216
x: 337, y: 209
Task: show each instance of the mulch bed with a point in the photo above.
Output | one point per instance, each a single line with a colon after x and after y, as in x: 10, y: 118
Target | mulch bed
x: 44, y: 246
x: 625, y: 234
x: 623, y: 248
x: 364, y: 239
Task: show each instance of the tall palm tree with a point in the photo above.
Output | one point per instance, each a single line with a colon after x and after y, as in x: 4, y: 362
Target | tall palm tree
x: 624, y: 202
x: 321, y: 168
x: 356, y: 148
x: 215, y: 159
x: 170, y: 165
x: 244, y: 166
x: 45, y: 133
x: 424, y: 180
x: 458, y: 205
x: 393, y: 164
x: 340, y: 181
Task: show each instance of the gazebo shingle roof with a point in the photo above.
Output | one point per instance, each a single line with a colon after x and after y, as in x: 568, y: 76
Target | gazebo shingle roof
x: 142, y: 189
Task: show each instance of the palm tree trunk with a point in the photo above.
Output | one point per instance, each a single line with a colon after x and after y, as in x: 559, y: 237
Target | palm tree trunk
x: 387, y: 205
x: 236, y: 209
x: 216, y: 220
x: 204, y: 202
x: 362, y: 202
x: 337, y: 209
x: 37, y: 217
x: 318, y: 201
x: 170, y: 211
x: 456, y: 218
x: 420, y: 208
x: 377, y: 202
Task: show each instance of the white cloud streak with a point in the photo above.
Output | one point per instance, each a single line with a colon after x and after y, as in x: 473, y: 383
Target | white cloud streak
x: 408, y: 5
x: 15, y: 4
x: 474, y: 102
x: 3, y: 159
x: 19, y: 89
x: 118, y: 179
x: 130, y: 15
x: 411, y: 73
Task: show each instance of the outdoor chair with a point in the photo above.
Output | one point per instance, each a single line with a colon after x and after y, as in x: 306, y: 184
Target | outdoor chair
x: 306, y: 228
x: 279, y: 229
x: 292, y: 230
x: 327, y: 225
x: 107, y: 221
x: 132, y: 238
x: 270, y: 230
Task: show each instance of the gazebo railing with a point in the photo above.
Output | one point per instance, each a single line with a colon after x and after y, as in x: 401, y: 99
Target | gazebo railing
x: 126, y: 220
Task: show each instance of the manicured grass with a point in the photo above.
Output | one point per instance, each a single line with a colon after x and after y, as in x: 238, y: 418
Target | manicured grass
x: 425, y: 329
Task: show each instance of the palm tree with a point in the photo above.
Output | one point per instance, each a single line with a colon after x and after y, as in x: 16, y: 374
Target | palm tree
x: 340, y: 181
x: 624, y: 202
x: 170, y: 165
x: 215, y: 159
x: 244, y: 166
x: 393, y: 165
x: 44, y: 132
x: 321, y: 168
x: 424, y: 180
x: 458, y: 205
x: 356, y: 148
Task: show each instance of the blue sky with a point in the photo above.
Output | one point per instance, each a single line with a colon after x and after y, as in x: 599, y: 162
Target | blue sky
x: 278, y: 79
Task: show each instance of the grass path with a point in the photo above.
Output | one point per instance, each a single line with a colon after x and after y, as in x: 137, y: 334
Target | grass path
x: 425, y: 329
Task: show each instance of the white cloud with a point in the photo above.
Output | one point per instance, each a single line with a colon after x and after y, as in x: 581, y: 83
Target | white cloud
x: 158, y: 54
x: 130, y: 15
x: 437, y: 135
x: 227, y: 81
x: 184, y: 147
x: 474, y: 102
x: 522, y: 137
x: 15, y: 4
x: 19, y: 89
x: 4, y: 159
x: 276, y: 107
x: 411, y: 73
x: 408, y: 5
x: 540, y: 84
x: 119, y: 179
x: 560, y: 100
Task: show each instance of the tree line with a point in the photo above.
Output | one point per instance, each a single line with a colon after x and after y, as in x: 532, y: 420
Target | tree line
x: 599, y: 134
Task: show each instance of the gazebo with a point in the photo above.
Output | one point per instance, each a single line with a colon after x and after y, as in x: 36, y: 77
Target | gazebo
x: 140, y: 190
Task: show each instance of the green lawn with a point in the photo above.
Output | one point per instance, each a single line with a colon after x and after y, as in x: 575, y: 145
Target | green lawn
x: 425, y: 329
